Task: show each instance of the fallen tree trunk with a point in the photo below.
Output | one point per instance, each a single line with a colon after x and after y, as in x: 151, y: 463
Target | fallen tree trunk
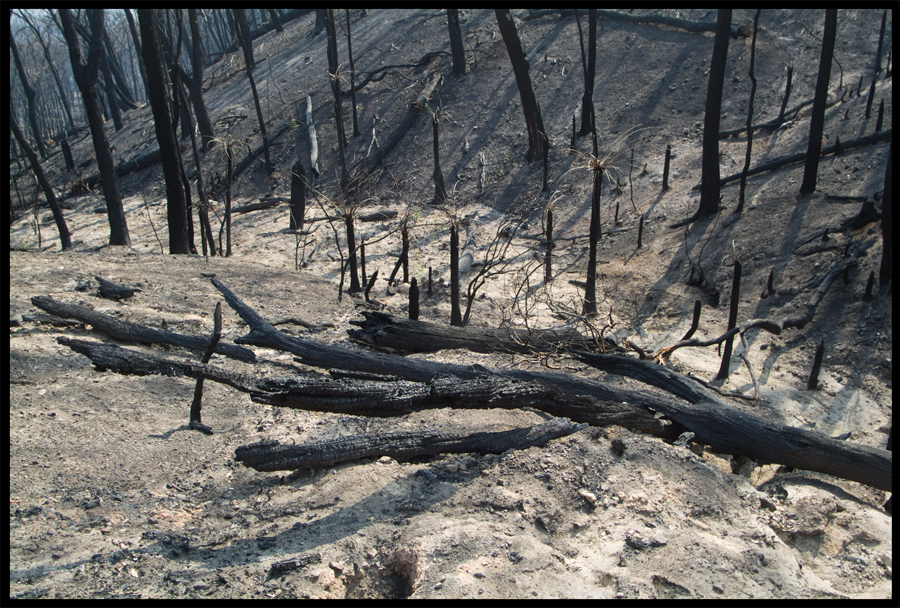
x: 794, y: 159
x: 388, y: 331
x: 379, y: 396
x: 721, y: 427
x: 408, y: 121
x: 132, y: 332
x: 272, y: 456
x: 751, y: 431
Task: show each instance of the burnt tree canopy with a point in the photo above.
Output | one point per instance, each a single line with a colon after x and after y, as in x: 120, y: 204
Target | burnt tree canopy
x: 534, y: 124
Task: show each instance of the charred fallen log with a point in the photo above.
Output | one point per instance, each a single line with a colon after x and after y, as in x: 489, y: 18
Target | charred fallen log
x: 273, y: 456
x: 388, y: 331
x: 132, y: 332
x: 380, y: 396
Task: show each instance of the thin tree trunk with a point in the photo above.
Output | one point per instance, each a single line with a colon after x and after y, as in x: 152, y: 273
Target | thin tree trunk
x: 352, y: 75
x: 709, y: 192
x: 334, y: 71
x: 589, y: 69
x: 64, y: 236
x: 740, y: 207
x: 732, y: 320
x: 455, y: 313
x: 243, y: 31
x: 29, y: 94
x: 817, y: 120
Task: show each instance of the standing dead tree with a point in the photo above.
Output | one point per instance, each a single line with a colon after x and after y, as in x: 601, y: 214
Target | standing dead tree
x: 740, y: 206
x: 817, y: 120
x: 534, y: 124
x: 246, y: 42
x: 709, y: 192
x: 85, y: 73
x: 64, y: 237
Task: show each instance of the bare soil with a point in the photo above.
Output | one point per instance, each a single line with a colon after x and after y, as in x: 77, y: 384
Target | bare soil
x: 111, y: 495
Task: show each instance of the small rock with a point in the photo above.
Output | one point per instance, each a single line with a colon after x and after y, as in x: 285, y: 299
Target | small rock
x: 618, y: 446
x: 718, y: 589
x: 590, y: 497
x: 451, y: 467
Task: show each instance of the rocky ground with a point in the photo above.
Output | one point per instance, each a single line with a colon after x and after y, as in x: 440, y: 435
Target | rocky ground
x: 112, y: 496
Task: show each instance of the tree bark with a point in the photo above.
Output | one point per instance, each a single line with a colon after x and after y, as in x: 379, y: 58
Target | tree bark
x: 590, y: 292
x: 403, y: 445
x: 455, y: 313
x: 176, y: 204
x: 132, y: 332
x: 721, y: 427
x: 456, y: 42
x: 534, y: 124
x: 387, y: 331
x: 298, y: 196
x: 85, y: 73
x: 817, y: 120
x: 334, y: 72
x: 740, y: 207
x: 709, y: 192
x: 352, y: 75
x: 64, y: 237
x: 587, y: 100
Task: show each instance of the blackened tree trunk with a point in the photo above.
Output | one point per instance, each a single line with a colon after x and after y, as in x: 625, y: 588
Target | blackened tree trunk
x: 165, y: 134
x: 590, y: 292
x: 275, y: 21
x: 709, y: 190
x: 440, y: 192
x: 64, y: 236
x: 817, y: 120
x: 29, y: 93
x: 589, y: 69
x: 334, y: 71
x: 732, y: 320
x: 534, y: 124
x: 298, y: 196
x: 740, y: 207
x: 456, y: 43
x: 352, y: 75
x: 246, y: 42
x: 355, y: 286
x: 137, y: 45
x: 86, y: 77
x: 110, y: 87
x: 320, y: 21
x: 194, y: 82
x: 455, y: 312
x: 887, y: 226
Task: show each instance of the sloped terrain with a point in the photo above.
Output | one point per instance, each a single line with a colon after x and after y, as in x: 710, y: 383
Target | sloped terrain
x: 112, y: 496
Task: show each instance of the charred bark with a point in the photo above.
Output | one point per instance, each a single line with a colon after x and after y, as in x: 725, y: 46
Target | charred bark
x: 404, y: 445
x: 65, y: 237
x: 817, y: 120
x: 132, y: 332
x: 387, y: 331
x: 534, y: 124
